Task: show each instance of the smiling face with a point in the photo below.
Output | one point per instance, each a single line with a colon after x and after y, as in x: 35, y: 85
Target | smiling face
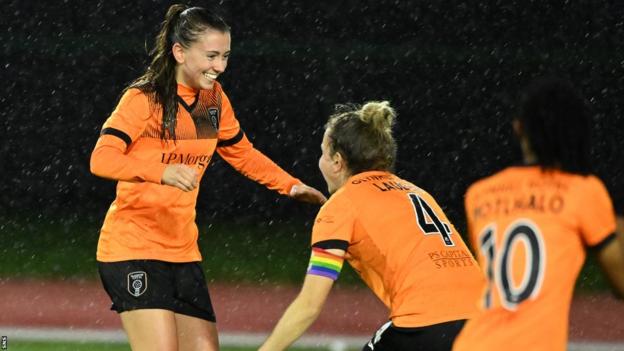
x: 199, y: 65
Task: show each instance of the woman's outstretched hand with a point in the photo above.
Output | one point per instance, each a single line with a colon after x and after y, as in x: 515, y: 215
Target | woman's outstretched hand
x: 181, y: 176
x: 306, y: 193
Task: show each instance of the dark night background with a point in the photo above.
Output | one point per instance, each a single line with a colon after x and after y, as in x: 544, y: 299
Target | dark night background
x: 452, y: 70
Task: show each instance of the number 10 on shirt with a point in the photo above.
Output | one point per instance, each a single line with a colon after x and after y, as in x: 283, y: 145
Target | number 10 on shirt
x: 499, y: 263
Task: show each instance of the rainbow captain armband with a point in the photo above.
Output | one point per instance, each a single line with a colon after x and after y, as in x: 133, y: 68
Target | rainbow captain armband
x: 325, y: 263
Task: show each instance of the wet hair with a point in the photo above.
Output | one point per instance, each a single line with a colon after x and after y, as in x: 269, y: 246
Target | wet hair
x: 182, y: 25
x: 363, y: 136
x: 556, y: 120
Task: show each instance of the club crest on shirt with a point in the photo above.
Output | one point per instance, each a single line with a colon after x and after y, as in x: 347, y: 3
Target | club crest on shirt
x: 213, y: 114
x: 325, y: 219
x: 137, y: 283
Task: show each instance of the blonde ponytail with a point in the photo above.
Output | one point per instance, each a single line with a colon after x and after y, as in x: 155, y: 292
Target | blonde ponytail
x: 379, y: 115
x: 363, y: 136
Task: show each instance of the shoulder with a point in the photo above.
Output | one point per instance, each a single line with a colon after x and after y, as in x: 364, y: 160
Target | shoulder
x: 588, y: 185
x: 134, y: 97
x: 338, y: 202
x: 217, y: 89
x: 483, y: 183
x: 593, y: 181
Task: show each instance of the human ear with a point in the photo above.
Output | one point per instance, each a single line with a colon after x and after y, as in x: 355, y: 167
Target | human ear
x: 338, y: 162
x: 178, y: 52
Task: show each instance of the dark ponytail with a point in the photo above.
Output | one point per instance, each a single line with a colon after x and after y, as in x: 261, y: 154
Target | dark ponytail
x: 181, y: 25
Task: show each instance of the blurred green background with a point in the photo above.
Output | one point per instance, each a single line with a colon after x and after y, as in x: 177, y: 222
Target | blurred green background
x: 245, y: 251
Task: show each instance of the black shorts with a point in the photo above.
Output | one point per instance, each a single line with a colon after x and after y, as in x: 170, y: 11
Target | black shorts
x: 146, y: 284
x: 437, y: 337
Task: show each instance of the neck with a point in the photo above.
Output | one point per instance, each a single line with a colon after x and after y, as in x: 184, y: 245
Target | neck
x: 530, y: 158
x: 341, y: 180
x: 528, y: 155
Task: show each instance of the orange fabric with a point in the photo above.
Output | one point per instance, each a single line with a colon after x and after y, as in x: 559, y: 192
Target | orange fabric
x: 420, y: 279
x: 148, y: 220
x: 565, y: 212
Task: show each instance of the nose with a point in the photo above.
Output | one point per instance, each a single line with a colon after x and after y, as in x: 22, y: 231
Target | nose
x: 219, y: 66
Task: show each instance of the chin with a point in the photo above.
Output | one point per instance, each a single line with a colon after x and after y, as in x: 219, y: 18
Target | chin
x: 207, y: 86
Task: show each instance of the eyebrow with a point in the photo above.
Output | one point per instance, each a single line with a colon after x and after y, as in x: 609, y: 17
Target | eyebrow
x: 218, y: 52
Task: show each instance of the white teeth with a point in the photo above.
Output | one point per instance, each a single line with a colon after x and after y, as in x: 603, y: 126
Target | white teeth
x: 210, y: 76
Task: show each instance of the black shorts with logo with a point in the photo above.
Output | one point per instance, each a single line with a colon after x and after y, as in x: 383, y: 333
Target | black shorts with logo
x: 146, y: 284
x: 437, y: 337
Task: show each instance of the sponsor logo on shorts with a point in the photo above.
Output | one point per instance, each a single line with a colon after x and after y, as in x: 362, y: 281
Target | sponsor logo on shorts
x: 137, y: 283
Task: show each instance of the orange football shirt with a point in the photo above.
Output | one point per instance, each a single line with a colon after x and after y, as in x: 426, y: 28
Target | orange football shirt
x: 148, y: 220
x: 530, y: 228
x: 403, y: 247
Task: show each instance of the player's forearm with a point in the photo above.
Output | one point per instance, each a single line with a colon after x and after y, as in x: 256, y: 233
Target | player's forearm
x: 256, y: 166
x: 109, y: 162
x: 295, y: 321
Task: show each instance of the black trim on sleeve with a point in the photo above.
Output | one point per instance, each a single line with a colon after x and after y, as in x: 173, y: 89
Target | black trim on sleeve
x: 118, y: 133
x: 332, y: 244
x: 601, y: 245
x: 238, y: 137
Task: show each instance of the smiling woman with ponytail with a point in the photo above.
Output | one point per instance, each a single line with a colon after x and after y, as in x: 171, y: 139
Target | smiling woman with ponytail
x: 157, y: 144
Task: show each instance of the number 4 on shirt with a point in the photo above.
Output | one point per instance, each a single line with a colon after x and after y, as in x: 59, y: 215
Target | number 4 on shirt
x: 428, y: 221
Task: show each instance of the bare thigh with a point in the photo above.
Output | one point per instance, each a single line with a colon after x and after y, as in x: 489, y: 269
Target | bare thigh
x: 150, y: 329
x: 196, y: 334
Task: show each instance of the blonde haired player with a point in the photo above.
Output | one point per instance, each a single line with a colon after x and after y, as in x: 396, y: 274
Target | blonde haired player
x: 393, y: 233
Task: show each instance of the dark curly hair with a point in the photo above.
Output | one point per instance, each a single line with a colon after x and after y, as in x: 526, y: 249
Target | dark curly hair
x: 556, y: 120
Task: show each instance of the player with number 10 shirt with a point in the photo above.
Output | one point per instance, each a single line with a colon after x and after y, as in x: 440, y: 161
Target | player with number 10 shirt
x: 530, y: 229
x: 530, y: 226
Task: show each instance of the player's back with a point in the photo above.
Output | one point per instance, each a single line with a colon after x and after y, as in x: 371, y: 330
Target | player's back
x: 529, y: 228
x: 405, y: 248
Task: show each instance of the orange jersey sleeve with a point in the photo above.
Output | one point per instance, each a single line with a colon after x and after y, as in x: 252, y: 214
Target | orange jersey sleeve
x: 335, y: 221
x: 229, y: 127
x: 596, y: 213
x: 238, y: 151
x: 110, y: 158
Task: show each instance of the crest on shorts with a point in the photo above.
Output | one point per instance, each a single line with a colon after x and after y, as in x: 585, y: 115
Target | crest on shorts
x: 137, y: 283
x: 213, y: 113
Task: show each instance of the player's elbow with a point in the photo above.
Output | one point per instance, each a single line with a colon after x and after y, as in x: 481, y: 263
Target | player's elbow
x: 97, y: 165
x: 315, y: 310
x: 310, y: 308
